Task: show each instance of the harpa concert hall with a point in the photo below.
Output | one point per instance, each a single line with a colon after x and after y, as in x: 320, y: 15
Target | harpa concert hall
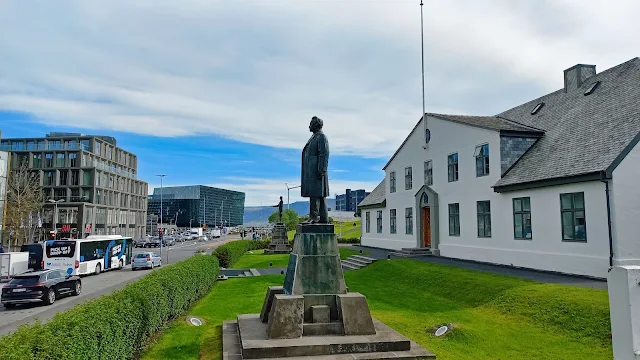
x: 192, y: 206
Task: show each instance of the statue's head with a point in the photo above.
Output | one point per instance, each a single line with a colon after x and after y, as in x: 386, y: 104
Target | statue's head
x: 280, y: 197
x: 316, y: 124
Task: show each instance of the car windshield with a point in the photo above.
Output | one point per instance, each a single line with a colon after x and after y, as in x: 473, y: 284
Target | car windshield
x: 139, y: 256
x: 24, y: 280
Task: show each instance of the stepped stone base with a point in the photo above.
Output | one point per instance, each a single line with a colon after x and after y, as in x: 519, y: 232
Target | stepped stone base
x: 279, y: 241
x: 246, y: 339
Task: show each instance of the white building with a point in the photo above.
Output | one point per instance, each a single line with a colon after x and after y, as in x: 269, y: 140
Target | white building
x: 549, y: 184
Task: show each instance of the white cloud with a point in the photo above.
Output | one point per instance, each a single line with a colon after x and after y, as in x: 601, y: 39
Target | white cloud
x: 256, y: 71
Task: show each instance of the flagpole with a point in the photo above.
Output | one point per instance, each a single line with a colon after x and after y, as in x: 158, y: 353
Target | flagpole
x: 424, y: 118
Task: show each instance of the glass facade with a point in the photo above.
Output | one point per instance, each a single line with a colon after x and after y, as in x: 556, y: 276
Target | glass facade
x: 193, y: 205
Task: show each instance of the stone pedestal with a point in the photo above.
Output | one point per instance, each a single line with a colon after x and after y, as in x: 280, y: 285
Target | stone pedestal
x: 279, y: 241
x: 313, y: 314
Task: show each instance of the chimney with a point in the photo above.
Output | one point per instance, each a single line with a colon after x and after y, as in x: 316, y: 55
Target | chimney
x: 576, y: 75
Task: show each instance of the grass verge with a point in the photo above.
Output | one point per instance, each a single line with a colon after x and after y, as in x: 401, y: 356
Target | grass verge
x: 494, y: 316
x: 256, y: 259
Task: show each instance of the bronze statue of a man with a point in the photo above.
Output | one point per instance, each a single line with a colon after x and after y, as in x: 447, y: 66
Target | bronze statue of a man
x: 315, y: 182
x: 280, y: 209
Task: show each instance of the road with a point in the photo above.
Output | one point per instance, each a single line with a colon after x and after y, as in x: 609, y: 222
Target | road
x: 96, y: 285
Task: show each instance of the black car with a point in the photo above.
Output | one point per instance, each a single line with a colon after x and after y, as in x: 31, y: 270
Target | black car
x: 39, y: 287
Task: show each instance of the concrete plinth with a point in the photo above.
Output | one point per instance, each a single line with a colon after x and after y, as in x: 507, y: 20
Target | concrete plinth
x: 246, y: 339
x: 286, y: 317
x: 279, y: 241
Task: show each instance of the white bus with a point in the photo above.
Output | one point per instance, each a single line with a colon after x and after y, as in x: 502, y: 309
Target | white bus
x: 92, y: 255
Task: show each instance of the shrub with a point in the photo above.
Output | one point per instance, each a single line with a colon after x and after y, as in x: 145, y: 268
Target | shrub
x: 229, y: 253
x: 118, y: 325
x: 349, y: 240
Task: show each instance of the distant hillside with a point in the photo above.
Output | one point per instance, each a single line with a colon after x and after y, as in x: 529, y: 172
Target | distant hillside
x: 260, y: 214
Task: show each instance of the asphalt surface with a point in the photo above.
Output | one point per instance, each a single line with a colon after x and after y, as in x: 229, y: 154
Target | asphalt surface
x: 94, y: 286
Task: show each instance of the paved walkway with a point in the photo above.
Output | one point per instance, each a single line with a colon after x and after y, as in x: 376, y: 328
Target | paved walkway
x: 540, y: 276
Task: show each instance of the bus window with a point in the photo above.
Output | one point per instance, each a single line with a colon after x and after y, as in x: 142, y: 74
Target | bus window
x: 60, y: 249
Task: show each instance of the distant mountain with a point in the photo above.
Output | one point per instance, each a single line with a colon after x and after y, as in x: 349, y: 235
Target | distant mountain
x: 260, y: 214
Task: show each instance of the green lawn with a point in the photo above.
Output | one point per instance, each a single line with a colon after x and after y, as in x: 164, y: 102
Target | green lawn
x: 348, y: 230
x: 494, y: 316
x: 257, y: 259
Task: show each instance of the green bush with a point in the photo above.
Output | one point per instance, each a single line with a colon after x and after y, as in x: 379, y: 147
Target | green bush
x: 118, y: 325
x: 229, y: 253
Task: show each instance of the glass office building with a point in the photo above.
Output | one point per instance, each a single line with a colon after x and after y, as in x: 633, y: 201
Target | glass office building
x: 192, y: 206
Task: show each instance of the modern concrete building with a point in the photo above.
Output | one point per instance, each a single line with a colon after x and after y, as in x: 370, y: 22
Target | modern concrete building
x: 192, y: 206
x: 550, y: 184
x: 350, y: 199
x: 93, y: 182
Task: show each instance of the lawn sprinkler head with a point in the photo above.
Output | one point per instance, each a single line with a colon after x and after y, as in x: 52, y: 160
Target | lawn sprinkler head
x: 194, y: 321
x: 441, y: 330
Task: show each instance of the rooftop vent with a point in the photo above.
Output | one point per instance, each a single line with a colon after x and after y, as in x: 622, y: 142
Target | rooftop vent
x: 575, y: 76
x: 537, y: 108
x: 592, y: 88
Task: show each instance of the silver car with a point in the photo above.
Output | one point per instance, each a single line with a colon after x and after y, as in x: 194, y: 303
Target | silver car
x: 146, y: 260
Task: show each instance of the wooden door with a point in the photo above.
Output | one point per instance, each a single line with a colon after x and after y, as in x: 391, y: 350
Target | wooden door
x: 426, y: 226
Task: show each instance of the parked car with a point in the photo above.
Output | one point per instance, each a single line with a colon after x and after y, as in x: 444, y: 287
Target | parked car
x: 146, y: 260
x: 139, y: 243
x: 43, y: 286
x: 179, y: 238
x: 168, y: 241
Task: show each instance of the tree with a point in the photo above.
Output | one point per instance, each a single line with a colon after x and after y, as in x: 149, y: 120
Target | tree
x: 24, y: 200
x: 289, y: 218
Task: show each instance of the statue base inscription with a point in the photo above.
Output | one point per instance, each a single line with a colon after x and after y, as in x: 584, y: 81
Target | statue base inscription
x: 313, y: 314
x: 279, y: 241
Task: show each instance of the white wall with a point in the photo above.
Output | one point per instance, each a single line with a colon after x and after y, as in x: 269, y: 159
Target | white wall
x: 625, y: 210
x: 546, y: 250
x: 624, y: 305
x: 383, y: 240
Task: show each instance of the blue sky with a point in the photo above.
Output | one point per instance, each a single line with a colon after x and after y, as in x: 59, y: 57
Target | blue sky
x: 221, y: 92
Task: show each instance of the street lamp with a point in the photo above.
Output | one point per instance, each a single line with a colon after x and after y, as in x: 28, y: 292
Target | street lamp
x: 162, y: 233
x: 289, y: 188
x: 55, y: 211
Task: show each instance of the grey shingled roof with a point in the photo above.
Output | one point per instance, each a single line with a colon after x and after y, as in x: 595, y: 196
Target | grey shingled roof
x: 486, y: 122
x: 582, y: 134
x: 377, y: 196
x: 496, y: 123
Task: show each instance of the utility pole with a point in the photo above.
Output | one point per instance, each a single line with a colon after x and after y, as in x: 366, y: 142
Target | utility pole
x: 289, y: 188
x: 162, y: 234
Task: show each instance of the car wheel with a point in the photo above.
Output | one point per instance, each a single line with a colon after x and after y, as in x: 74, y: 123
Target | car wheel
x: 9, y: 306
x: 98, y: 269
x: 77, y: 289
x: 50, y: 297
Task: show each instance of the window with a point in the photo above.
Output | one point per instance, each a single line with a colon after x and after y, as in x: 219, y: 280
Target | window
x: 379, y: 222
x: 75, y: 177
x: 17, y: 145
x: 454, y: 219
x: 60, y: 194
x: 63, y: 177
x: 31, y: 145
x: 48, y: 178
x: 482, y: 160
x: 428, y: 173
x: 522, y: 218
x: 96, y: 147
x: 70, y: 144
x: 72, y: 160
x: 408, y: 178
x: 48, y: 160
x: 54, y: 144
x: 41, y: 145
x: 86, y: 178
x: 592, y: 88
x: 392, y: 182
x: 60, y: 160
x: 392, y: 221
x: 537, y: 108
x: 452, y: 165
x: 408, y: 221
x: 37, y: 161
x: 75, y: 195
x: 573, y: 218
x: 484, y: 218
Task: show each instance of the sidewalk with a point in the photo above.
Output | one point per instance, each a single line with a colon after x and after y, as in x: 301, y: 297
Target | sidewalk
x: 540, y: 276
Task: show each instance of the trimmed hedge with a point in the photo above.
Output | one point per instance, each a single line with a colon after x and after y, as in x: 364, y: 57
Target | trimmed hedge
x: 118, y: 325
x: 349, y: 240
x: 229, y: 253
